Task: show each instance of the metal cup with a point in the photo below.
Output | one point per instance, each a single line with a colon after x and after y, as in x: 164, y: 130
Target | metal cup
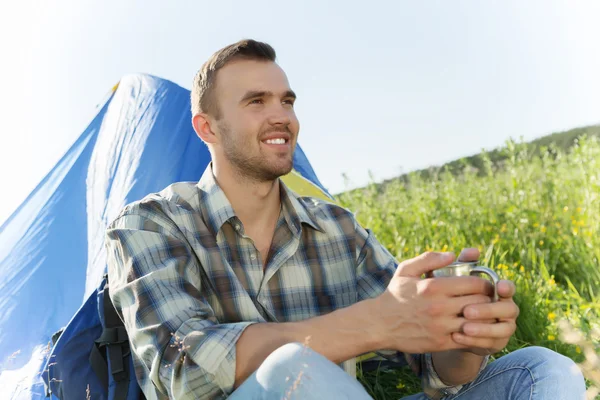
x: 461, y: 268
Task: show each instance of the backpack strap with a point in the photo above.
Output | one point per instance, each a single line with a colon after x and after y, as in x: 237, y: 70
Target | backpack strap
x: 114, y: 338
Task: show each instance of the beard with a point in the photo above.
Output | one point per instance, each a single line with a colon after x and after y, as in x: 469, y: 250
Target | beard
x: 251, y: 162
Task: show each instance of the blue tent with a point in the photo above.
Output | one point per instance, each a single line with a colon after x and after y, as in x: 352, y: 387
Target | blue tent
x: 52, y: 247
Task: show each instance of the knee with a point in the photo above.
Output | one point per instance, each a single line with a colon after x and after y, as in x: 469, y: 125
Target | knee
x: 292, y: 353
x: 552, y: 366
x: 289, y: 359
x: 309, y: 375
x: 551, y: 361
x: 293, y: 349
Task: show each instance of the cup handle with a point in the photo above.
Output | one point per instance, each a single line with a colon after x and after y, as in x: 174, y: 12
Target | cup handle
x: 492, y: 274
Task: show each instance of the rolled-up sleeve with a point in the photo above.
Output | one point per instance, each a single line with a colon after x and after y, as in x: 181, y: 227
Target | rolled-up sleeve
x: 375, y: 268
x: 156, y: 287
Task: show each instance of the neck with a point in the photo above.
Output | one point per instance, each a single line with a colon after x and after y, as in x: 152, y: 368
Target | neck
x: 256, y: 204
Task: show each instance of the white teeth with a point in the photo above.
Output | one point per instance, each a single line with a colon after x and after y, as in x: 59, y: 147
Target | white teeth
x: 275, y: 141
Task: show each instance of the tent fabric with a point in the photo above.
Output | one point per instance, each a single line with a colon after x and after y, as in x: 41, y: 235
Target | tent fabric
x: 52, y: 247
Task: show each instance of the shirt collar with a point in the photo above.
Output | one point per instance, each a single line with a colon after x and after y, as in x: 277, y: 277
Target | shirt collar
x: 295, y: 212
x: 216, y: 208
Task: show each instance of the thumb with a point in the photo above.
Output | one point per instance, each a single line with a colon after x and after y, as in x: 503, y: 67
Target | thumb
x: 424, y: 263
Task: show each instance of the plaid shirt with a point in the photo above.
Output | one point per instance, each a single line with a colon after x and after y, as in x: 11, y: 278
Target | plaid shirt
x: 187, y: 281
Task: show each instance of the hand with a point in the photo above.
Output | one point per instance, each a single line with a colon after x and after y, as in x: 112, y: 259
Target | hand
x: 483, y: 337
x: 488, y: 327
x: 417, y: 315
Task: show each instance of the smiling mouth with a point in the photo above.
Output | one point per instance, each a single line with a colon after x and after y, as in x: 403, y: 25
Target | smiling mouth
x: 276, y: 141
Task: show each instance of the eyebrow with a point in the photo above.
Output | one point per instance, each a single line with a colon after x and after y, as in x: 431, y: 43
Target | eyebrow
x: 251, y: 94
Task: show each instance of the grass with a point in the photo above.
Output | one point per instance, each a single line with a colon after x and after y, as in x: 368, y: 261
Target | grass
x: 535, y: 218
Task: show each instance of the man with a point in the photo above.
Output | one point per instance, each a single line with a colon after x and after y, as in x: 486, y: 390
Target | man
x: 237, y: 287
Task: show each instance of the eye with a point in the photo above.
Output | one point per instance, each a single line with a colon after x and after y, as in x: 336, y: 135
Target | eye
x: 256, y: 101
x: 289, y: 102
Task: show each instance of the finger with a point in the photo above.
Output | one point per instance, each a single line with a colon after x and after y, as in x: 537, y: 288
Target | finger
x: 457, y: 305
x: 447, y: 325
x: 484, y: 321
x: 424, y: 263
x: 469, y: 254
x: 500, y: 330
x: 506, y: 289
x: 501, y: 310
x: 460, y: 285
x: 470, y: 342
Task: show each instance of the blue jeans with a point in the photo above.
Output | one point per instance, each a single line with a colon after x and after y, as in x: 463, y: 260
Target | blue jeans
x: 296, y: 372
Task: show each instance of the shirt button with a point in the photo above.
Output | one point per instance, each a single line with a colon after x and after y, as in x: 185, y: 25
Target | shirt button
x: 253, y: 257
x: 237, y: 227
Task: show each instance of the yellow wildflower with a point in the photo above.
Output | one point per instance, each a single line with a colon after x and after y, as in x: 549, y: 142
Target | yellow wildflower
x: 541, y: 242
x: 405, y: 249
x: 536, y: 225
x: 503, y: 229
x: 578, y: 350
x: 400, y: 386
x: 445, y: 248
x: 551, y: 316
x: 543, y: 229
x: 552, y: 282
x: 566, y: 208
x: 515, y: 264
x: 579, y: 209
x: 522, y: 269
x: 551, y: 337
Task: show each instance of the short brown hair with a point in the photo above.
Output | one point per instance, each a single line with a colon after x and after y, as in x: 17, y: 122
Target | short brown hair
x: 202, y: 97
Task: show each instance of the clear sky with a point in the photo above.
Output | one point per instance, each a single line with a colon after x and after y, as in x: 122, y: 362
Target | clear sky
x: 383, y: 86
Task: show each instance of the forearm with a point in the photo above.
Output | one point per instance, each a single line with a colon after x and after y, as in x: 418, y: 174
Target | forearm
x: 456, y: 367
x: 339, y: 336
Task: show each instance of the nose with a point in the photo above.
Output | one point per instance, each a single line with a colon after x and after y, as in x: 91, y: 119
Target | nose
x: 280, y: 115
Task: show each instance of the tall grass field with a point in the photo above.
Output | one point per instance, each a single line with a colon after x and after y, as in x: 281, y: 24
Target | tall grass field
x: 535, y: 216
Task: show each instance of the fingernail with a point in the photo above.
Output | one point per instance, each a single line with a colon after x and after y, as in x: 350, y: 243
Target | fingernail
x: 472, y: 313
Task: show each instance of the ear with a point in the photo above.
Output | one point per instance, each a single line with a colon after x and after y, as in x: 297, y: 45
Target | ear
x: 201, y: 124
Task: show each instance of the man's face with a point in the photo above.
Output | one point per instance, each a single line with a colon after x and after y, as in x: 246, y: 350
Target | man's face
x: 258, y: 128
